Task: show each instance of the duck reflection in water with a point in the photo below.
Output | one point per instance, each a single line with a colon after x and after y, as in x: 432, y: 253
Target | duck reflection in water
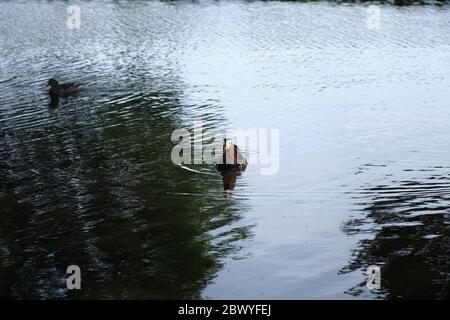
x: 230, y: 164
x: 54, y: 100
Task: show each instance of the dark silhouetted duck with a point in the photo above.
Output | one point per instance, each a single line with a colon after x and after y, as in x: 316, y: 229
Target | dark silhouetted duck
x: 57, y: 89
x: 231, y: 158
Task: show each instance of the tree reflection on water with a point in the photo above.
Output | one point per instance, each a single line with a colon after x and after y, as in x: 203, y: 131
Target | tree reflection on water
x: 410, y: 225
x: 98, y: 189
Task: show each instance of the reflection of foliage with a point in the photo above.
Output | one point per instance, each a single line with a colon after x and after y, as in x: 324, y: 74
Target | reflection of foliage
x: 412, y: 238
x: 391, y: 2
x: 98, y: 189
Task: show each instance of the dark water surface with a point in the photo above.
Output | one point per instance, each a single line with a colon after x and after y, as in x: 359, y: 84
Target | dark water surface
x: 364, y: 150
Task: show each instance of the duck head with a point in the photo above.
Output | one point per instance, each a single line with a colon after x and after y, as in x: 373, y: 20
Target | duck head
x: 52, y: 83
x: 227, y: 144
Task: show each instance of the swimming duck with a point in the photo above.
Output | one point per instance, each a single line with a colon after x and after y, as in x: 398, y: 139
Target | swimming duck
x: 232, y: 158
x: 62, y: 89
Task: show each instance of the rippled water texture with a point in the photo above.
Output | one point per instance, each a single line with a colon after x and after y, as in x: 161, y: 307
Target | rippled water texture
x: 364, y: 158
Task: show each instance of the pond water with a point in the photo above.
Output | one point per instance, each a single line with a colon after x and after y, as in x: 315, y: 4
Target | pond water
x: 364, y: 162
